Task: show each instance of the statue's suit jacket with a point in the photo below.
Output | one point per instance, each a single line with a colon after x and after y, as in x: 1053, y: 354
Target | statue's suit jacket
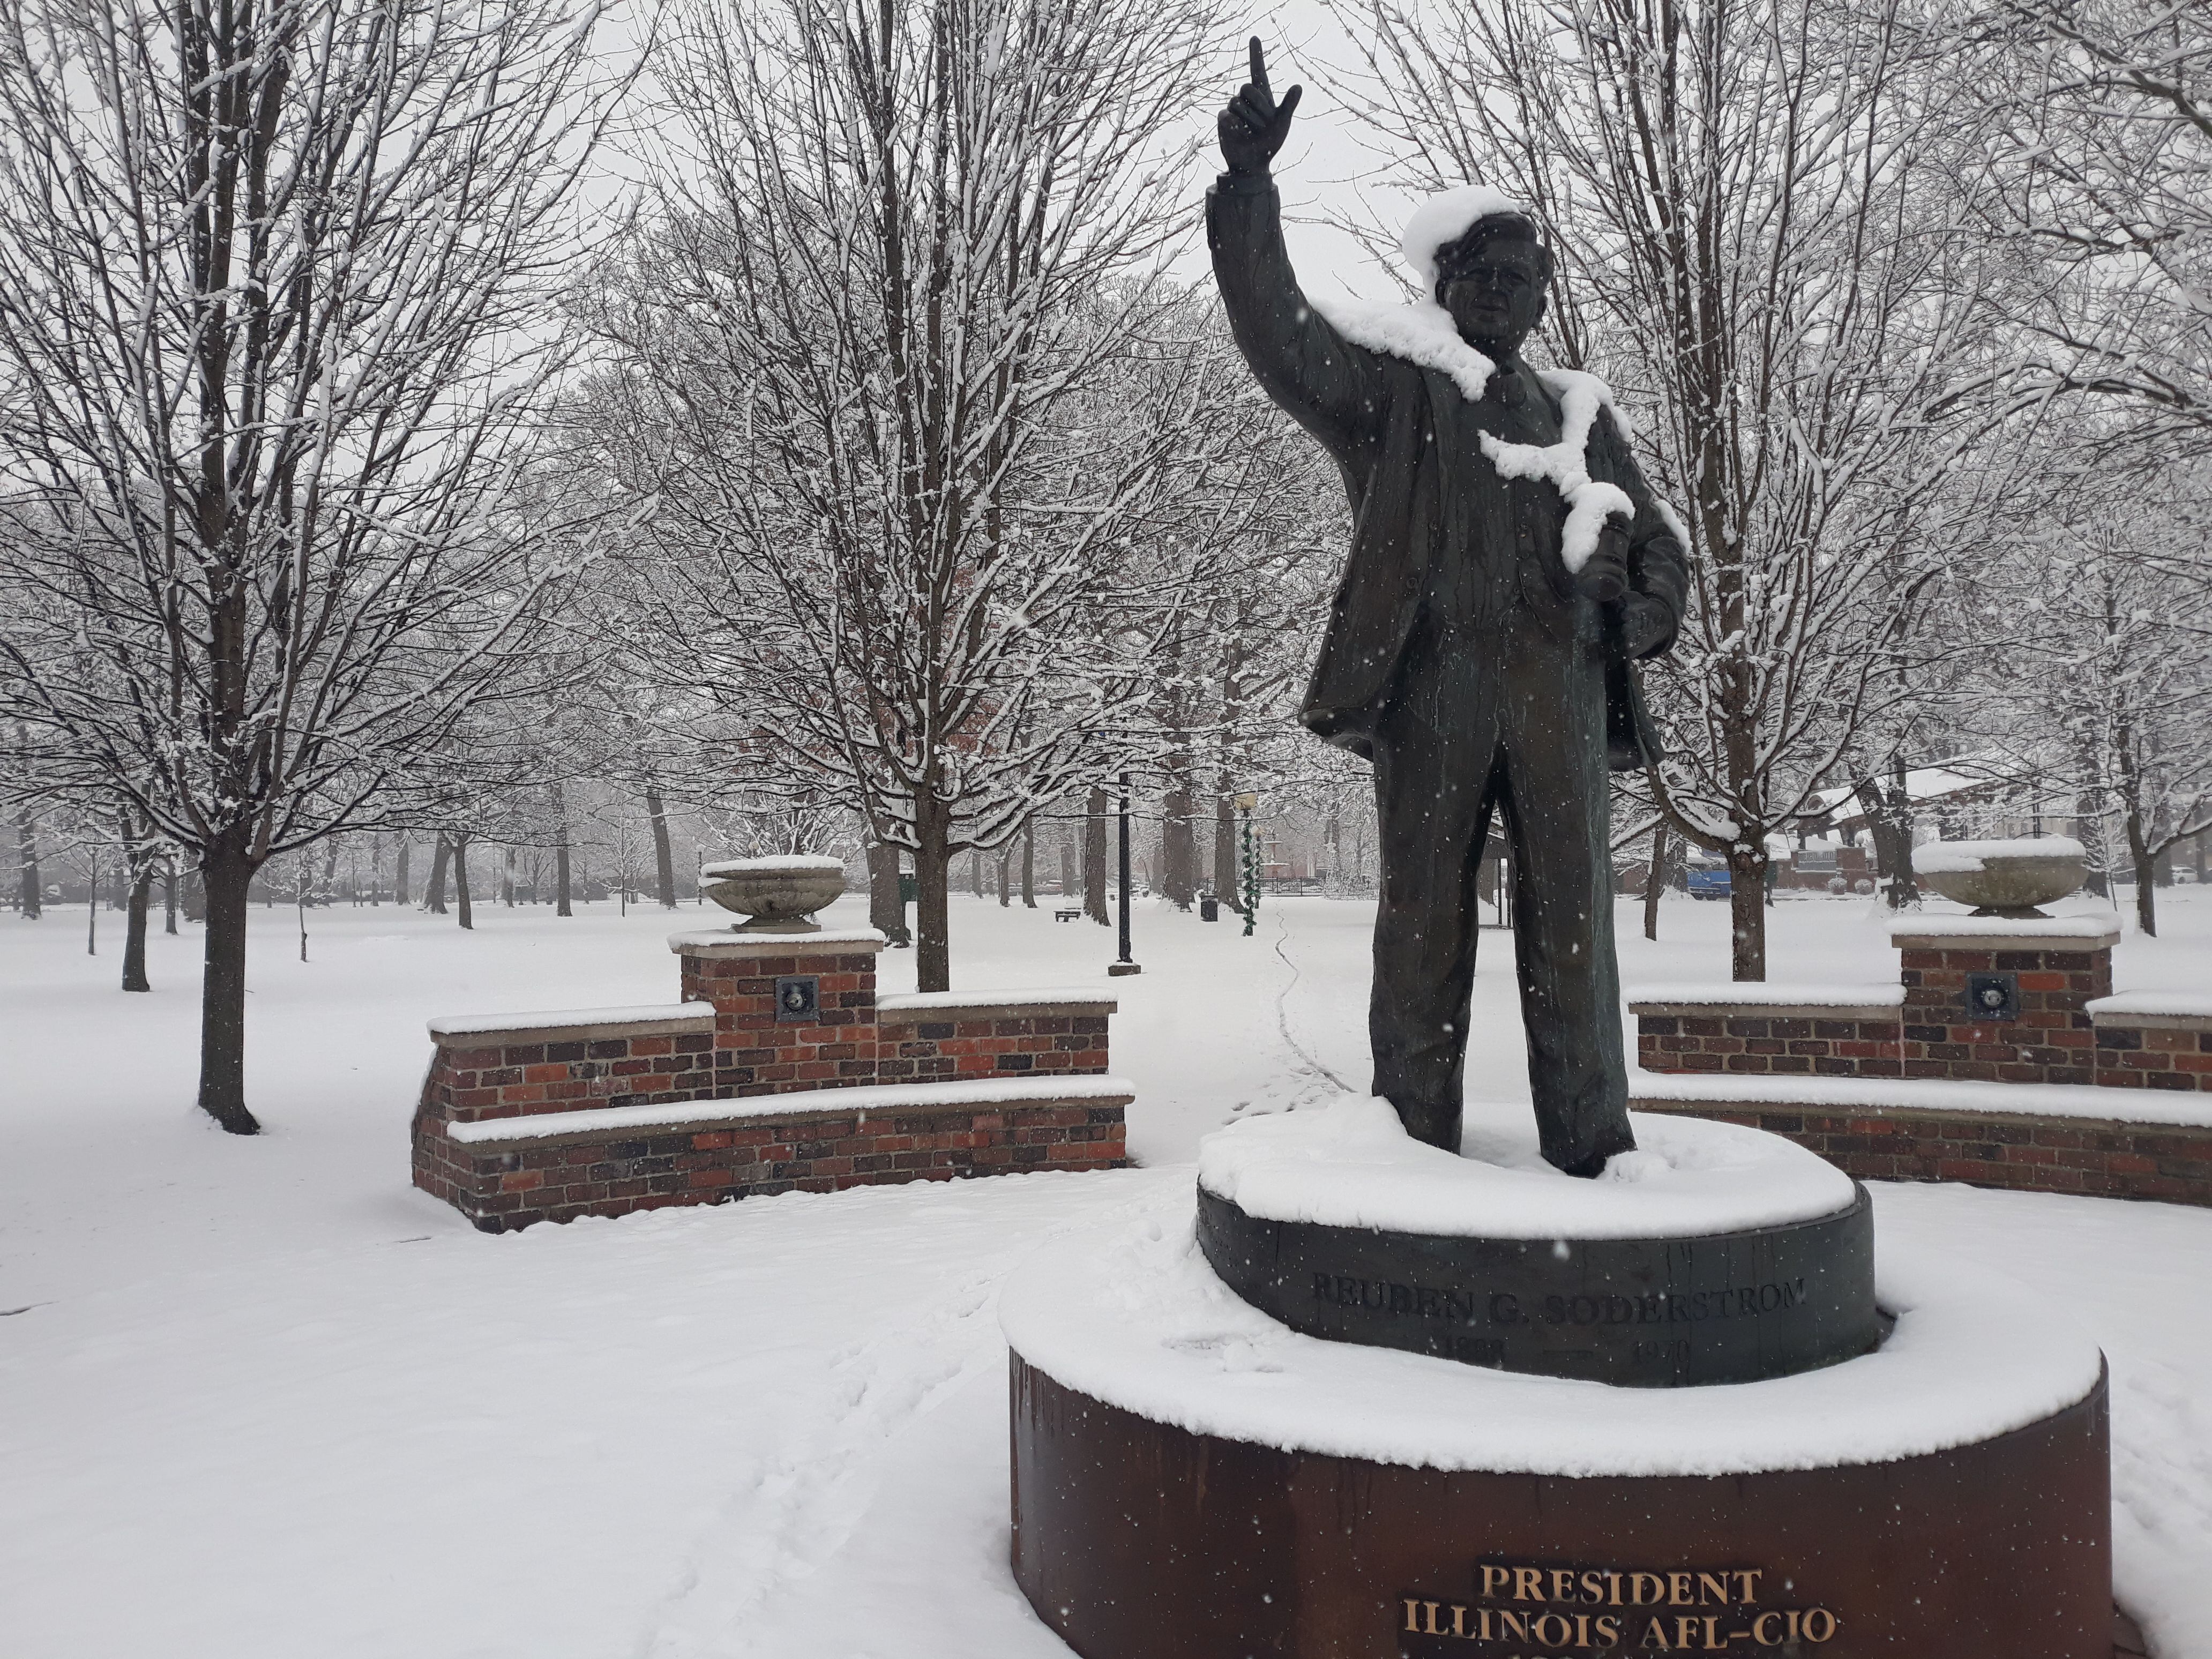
x: 1381, y: 416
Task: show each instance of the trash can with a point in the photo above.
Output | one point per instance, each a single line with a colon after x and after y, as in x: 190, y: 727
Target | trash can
x: 1209, y: 908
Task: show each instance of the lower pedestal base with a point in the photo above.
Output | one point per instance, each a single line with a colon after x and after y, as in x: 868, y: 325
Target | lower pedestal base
x: 1137, y: 1540
x: 1192, y: 1479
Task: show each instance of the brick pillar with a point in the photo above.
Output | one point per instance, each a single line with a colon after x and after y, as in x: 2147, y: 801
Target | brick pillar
x: 2050, y: 970
x: 792, y: 1011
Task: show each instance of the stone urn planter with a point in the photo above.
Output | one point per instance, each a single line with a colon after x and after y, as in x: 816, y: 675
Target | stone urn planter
x: 779, y: 895
x: 2001, y: 877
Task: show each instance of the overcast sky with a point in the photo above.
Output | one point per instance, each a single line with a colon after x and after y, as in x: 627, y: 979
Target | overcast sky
x: 1325, y: 173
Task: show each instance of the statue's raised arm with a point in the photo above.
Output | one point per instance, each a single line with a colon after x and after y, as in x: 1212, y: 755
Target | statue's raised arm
x: 1329, y: 386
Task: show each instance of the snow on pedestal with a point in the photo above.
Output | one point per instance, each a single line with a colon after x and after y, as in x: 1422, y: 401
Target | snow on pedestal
x: 1193, y: 1480
x: 1134, y: 1317
x: 1350, y: 1163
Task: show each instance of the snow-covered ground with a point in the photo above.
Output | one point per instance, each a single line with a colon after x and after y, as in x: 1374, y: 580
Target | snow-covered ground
x: 261, y: 1397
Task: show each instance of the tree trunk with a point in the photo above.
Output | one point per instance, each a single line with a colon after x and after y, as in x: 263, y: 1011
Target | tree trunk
x: 1178, y: 844
x: 134, y: 926
x: 1655, y: 880
x: 2145, y: 862
x: 507, y: 875
x: 399, y: 873
x: 1227, y: 886
x: 434, y: 897
x: 1029, y: 865
x: 1747, y: 909
x: 1094, y: 859
x: 1005, y: 875
x: 1904, y: 888
x: 886, y: 910
x: 169, y: 894
x: 1071, y: 882
x: 461, y: 882
x: 975, y: 871
x: 664, y: 861
x: 226, y: 871
x: 26, y: 855
x: 560, y: 851
x: 932, y: 870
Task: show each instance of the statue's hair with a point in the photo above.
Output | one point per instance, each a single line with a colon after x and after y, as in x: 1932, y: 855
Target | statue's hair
x: 1497, y: 227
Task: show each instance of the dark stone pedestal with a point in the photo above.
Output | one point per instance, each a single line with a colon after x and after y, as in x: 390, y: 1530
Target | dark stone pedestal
x: 1651, y: 1312
x: 1137, y: 1540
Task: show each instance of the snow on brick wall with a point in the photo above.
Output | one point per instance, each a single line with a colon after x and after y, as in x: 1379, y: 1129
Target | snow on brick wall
x: 740, y: 1050
x: 503, y: 1190
x: 2167, y: 1162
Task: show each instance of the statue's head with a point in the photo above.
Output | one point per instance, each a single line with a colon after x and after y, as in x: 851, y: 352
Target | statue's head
x: 1491, y: 278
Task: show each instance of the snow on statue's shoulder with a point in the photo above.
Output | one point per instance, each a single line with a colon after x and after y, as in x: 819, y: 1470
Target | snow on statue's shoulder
x: 1422, y: 331
x: 1567, y: 464
x: 1578, y: 383
x: 1418, y: 331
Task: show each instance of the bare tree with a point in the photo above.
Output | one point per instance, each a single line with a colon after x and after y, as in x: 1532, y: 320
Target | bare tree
x: 935, y: 446
x: 2101, y: 688
x: 270, y: 284
x: 2099, y: 168
x: 1757, y: 211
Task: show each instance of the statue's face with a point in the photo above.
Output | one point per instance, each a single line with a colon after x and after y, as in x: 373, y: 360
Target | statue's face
x: 1494, y: 291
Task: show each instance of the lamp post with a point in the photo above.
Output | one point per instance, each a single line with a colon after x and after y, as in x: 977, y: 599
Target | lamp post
x: 1250, y: 865
x: 1124, y: 965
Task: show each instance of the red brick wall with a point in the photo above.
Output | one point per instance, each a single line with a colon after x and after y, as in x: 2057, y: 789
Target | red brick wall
x: 2052, y: 1040
x: 515, y: 1079
x: 1837, y: 1042
x: 747, y: 1053
x: 501, y: 1188
x: 2152, y: 1056
x: 2030, y: 1154
x: 931, y: 1046
x: 754, y: 1054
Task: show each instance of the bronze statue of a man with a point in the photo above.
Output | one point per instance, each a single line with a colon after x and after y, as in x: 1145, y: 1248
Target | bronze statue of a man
x: 1508, y: 564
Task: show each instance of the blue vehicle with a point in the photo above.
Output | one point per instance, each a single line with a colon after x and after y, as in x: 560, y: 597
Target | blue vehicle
x: 1710, y: 882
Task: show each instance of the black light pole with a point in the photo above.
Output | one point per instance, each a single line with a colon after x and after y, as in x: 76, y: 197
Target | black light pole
x: 1125, y: 965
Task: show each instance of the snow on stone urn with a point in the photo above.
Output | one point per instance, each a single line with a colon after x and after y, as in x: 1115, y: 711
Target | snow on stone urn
x: 2002, y: 878
x: 778, y: 894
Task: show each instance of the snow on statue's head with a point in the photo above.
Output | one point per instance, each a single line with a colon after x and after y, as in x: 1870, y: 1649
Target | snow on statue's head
x: 1454, y: 215
x: 1483, y: 262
